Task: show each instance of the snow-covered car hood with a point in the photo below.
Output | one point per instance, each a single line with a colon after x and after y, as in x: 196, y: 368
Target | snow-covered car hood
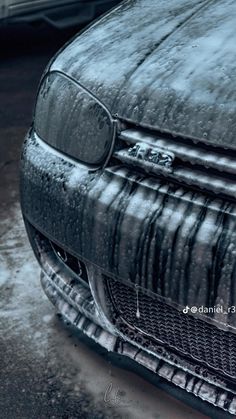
x: 166, y: 65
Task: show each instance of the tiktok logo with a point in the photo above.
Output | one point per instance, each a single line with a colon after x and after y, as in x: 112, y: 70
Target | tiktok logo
x: 186, y: 309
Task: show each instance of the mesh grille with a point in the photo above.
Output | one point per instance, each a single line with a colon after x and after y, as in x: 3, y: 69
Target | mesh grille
x: 183, y: 333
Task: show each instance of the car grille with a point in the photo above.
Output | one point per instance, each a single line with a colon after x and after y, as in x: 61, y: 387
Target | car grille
x: 179, y: 160
x: 165, y: 324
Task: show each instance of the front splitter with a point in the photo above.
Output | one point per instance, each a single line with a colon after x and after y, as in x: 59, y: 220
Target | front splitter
x: 85, y: 318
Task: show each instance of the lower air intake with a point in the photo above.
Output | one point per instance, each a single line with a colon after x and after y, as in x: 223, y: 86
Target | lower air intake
x: 162, y: 323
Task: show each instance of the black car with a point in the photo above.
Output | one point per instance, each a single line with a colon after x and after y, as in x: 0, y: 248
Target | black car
x: 128, y: 188
x: 58, y: 13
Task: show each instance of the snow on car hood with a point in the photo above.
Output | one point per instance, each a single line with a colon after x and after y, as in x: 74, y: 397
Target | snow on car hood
x: 169, y: 65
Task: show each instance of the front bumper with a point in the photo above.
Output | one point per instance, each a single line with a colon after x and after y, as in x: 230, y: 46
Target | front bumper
x: 75, y: 301
x: 165, y: 239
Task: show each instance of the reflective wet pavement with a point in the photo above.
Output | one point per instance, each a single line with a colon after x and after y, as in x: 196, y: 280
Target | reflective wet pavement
x: 47, y: 370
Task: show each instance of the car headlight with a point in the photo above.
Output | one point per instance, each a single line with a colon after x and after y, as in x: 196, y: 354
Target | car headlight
x: 72, y: 120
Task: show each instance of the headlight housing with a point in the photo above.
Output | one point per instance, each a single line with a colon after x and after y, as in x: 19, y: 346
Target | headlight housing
x: 72, y: 120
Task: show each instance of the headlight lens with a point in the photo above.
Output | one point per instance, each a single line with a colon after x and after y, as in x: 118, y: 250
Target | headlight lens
x: 72, y: 120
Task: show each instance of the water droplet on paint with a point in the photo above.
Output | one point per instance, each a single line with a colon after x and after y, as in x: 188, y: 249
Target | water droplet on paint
x: 137, y: 300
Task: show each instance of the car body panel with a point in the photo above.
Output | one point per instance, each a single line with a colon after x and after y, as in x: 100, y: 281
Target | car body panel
x: 176, y: 77
x: 19, y: 6
x: 11, y: 8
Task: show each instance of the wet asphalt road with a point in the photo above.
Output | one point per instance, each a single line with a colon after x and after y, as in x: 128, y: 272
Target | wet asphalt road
x: 46, y: 369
